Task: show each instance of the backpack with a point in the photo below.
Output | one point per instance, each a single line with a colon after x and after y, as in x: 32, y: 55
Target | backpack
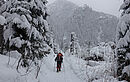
x: 59, y: 59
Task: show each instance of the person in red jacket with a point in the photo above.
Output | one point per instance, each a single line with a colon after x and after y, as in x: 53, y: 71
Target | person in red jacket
x: 59, y: 60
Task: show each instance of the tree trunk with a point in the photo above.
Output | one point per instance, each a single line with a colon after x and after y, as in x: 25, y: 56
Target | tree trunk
x: 1, y: 39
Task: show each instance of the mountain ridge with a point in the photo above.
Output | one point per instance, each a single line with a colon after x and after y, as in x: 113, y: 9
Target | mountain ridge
x: 65, y: 17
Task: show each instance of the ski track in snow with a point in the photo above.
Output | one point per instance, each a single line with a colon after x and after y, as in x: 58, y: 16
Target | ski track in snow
x: 46, y: 74
x: 66, y: 74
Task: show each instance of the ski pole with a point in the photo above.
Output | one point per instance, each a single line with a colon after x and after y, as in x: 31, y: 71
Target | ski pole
x: 63, y: 67
x: 54, y: 66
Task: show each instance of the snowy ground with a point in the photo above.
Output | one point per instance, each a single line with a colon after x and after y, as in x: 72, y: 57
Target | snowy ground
x: 74, y: 69
x: 47, y: 74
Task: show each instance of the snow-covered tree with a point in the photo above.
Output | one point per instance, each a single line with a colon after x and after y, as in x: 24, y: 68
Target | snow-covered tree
x: 123, y: 43
x: 74, y: 45
x: 64, y: 43
x: 77, y: 49
x: 27, y: 30
x: 55, y: 47
x: 99, y: 35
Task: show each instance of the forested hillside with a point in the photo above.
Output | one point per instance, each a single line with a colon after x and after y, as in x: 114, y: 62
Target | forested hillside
x: 66, y: 17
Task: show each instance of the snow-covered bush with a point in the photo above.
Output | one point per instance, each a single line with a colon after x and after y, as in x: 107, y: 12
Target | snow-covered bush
x: 108, y: 79
x: 102, y: 52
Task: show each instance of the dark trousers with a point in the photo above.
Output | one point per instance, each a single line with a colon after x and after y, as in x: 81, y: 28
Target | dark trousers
x: 58, y: 65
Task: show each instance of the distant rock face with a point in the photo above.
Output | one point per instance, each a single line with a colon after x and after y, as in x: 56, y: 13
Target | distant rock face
x: 66, y: 17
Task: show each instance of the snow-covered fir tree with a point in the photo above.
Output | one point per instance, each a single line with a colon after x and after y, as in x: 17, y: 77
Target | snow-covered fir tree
x: 77, y: 48
x: 74, y: 45
x: 55, y: 47
x: 123, y: 43
x: 99, y: 35
x: 27, y: 31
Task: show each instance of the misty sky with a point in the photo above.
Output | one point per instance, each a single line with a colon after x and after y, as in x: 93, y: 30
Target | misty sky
x: 107, y: 6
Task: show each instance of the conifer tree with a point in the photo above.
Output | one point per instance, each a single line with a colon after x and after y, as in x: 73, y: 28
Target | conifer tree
x: 27, y: 30
x: 74, y: 45
x: 123, y: 43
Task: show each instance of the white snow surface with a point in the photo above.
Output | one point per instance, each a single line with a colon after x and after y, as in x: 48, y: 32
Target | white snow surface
x: 47, y: 73
x: 2, y: 20
x: 17, y: 42
x: 127, y: 70
x: 8, y: 72
x: 66, y: 75
x: 8, y: 33
x: 13, y: 54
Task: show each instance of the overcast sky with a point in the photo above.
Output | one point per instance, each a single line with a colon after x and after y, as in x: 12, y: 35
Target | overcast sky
x: 107, y: 6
